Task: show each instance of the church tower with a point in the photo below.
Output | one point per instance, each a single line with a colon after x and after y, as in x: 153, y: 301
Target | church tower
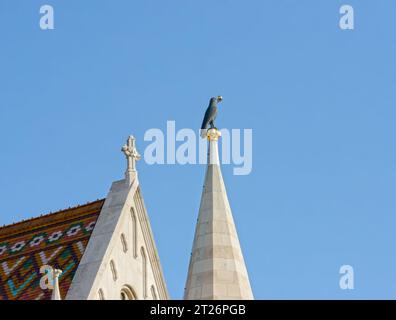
x: 217, y: 269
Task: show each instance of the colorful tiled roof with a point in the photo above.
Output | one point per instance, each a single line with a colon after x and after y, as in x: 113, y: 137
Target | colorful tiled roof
x: 57, y: 239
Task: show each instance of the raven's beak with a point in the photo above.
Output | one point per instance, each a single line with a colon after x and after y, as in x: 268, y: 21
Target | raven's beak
x: 219, y: 98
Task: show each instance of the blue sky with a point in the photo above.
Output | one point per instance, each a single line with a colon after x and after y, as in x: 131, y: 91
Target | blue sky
x: 320, y: 101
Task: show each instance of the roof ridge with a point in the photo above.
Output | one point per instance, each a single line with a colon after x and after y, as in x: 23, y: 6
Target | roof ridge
x: 28, y: 221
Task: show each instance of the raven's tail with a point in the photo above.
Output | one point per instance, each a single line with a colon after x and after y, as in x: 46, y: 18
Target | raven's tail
x: 203, y: 133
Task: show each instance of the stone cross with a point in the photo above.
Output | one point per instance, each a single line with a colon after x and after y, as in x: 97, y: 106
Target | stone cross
x: 132, y: 156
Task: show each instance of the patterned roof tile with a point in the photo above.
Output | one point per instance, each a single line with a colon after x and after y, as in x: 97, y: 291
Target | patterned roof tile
x: 57, y: 239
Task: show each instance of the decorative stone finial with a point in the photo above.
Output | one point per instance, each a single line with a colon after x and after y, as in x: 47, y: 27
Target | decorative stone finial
x: 213, y: 134
x: 132, y: 156
x: 55, y: 291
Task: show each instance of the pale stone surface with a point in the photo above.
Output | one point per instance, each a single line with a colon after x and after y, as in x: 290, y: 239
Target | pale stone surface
x: 109, y: 265
x: 55, y: 291
x: 217, y: 269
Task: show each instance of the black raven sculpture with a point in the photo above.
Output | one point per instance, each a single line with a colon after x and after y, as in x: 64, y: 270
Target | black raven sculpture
x: 210, y: 115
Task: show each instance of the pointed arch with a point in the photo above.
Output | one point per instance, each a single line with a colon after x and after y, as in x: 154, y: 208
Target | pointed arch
x: 153, y: 293
x: 124, y: 243
x: 113, y: 270
x: 144, y: 268
x: 134, y: 233
x: 127, y: 293
x: 101, y: 295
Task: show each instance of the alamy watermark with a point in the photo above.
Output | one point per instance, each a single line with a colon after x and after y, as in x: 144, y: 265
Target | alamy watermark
x: 347, y: 280
x: 347, y: 20
x: 47, y: 18
x: 47, y: 280
x: 185, y: 146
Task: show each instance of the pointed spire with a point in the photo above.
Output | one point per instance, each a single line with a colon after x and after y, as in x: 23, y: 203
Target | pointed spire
x: 217, y: 269
x: 55, y: 291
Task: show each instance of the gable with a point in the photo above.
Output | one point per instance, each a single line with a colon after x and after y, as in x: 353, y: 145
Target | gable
x: 58, y: 239
x: 121, y: 254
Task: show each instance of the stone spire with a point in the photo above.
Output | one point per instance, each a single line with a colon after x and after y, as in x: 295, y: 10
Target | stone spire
x: 132, y: 156
x: 55, y: 291
x: 217, y: 269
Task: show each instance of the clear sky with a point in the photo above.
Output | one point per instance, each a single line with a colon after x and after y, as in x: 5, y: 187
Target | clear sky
x: 321, y: 103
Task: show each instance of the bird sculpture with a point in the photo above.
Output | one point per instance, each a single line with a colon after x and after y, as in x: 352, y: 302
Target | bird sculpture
x: 210, y: 115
